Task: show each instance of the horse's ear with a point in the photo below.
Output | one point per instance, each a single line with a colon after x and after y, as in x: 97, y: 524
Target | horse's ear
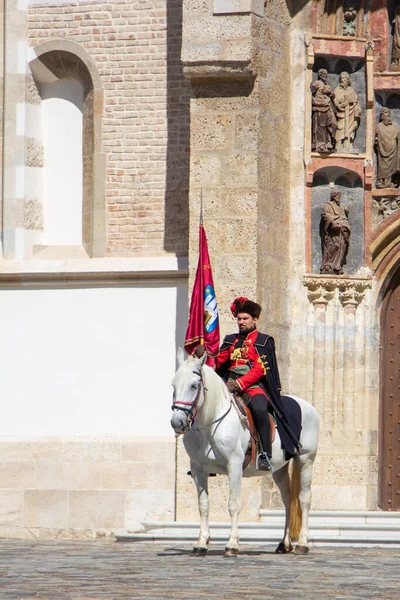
x: 180, y: 357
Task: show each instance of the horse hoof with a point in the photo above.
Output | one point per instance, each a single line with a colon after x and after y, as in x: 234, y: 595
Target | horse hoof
x: 301, y: 550
x: 231, y: 552
x: 281, y: 549
x: 199, y: 551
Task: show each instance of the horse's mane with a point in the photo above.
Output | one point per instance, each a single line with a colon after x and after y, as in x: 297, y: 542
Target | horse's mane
x: 217, y: 396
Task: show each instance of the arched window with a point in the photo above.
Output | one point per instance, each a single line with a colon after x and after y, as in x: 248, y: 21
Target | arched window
x: 73, y: 190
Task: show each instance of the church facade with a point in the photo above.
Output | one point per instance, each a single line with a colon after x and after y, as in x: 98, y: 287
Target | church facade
x: 117, y: 118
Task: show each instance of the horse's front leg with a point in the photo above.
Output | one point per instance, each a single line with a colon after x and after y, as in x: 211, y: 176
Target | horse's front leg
x: 235, y: 483
x: 201, y: 480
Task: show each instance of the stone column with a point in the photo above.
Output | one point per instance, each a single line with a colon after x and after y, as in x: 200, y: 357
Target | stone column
x: 337, y: 350
x: 349, y: 336
x: 319, y: 296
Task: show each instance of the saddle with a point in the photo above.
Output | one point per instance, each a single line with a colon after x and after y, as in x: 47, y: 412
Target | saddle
x: 253, y: 447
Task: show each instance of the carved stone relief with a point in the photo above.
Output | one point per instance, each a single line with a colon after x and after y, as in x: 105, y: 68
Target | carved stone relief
x: 334, y: 245
x: 350, y: 290
x: 338, y: 99
x: 335, y: 234
x: 387, y: 149
x: 384, y: 206
x: 396, y: 38
x: 349, y: 18
x: 324, y: 122
x: 348, y: 114
x: 341, y: 18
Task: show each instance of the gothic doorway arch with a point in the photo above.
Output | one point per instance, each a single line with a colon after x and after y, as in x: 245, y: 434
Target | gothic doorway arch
x: 389, y: 444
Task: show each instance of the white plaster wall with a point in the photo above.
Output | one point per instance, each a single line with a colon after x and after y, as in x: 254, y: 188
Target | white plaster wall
x: 89, y: 361
x: 62, y: 103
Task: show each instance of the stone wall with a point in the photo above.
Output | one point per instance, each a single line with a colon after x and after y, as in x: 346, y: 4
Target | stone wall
x: 84, y: 487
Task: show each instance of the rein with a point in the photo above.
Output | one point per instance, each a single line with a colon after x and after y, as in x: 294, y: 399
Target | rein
x: 213, y: 422
x: 191, y: 411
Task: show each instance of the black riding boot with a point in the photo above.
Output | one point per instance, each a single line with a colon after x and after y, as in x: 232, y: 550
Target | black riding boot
x: 265, y: 439
x: 259, y: 410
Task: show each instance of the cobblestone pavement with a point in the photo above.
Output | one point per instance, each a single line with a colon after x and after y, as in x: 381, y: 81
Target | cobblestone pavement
x: 64, y: 570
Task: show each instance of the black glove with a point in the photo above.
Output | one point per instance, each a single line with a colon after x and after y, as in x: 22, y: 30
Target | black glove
x: 199, y: 351
x: 233, y: 387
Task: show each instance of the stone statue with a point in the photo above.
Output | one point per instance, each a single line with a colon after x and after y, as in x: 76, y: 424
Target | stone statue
x: 387, y: 148
x: 323, y: 116
x: 348, y: 114
x: 335, y: 235
x: 396, y: 37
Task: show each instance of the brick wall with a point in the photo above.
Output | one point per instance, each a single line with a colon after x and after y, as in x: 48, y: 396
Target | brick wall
x: 136, y: 48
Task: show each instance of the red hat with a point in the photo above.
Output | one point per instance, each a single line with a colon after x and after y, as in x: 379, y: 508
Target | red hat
x: 244, y: 305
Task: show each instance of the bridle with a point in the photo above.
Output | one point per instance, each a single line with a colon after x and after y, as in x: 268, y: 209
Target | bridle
x: 190, y: 408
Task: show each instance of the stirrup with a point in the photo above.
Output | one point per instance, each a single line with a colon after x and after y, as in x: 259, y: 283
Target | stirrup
x: 263, y: 463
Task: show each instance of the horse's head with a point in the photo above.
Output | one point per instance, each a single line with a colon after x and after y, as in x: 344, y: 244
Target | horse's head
x: 188, y: 391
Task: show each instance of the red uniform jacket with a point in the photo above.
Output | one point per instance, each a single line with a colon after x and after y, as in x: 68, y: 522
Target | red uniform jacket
x: 246, y: 355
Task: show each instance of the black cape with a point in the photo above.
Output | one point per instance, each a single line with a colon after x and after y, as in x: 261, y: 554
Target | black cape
x: 287, y: 410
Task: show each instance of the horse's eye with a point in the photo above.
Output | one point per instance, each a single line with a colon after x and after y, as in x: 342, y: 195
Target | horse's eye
x: 194, y: 386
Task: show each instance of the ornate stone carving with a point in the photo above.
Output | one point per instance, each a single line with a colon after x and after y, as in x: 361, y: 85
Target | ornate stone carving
x: 348, y: 114
x: 323, y: 116
x: 384, y: 206
x: 349, y: 18
x: 386, y: 145
x: 322, y: 288
x: 320, y: 291
x: 396, y: 37
x: 335, y: 235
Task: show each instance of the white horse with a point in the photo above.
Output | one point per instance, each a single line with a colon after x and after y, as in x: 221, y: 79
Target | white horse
x: 216, y: 440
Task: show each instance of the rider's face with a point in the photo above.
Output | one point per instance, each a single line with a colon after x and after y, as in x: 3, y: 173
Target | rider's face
x: 246, y: 322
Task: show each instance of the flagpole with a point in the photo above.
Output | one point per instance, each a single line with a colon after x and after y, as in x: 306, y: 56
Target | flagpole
x: 200, y: 253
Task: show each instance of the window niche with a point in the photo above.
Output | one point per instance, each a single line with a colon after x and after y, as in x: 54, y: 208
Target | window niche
x: 74, y: 167
x: 342, y: 18
x: 335, y: 65
x: 351, y: 188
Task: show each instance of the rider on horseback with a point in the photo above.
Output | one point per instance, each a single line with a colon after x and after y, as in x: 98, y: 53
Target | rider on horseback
x: 247, y: 362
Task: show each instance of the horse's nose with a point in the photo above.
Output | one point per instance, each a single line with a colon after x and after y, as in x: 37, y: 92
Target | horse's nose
x: 177, y: 422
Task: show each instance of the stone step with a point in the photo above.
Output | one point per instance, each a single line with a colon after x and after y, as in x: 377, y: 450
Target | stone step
x: 327, y: 528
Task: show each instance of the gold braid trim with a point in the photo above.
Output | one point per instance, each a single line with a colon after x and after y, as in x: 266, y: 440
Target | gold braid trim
x: 262, y: 359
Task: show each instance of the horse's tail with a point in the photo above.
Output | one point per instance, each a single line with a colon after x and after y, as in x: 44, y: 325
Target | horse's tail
x: 295, y: 506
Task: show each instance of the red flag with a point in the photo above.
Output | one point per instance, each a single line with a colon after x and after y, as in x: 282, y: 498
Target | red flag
x: 203, y: 327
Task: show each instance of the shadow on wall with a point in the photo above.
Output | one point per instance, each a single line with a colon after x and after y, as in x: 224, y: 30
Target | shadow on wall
x: 176, y: 236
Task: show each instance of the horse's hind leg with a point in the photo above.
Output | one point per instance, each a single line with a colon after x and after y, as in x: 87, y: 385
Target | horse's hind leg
x: 305, y: 465
x: 281, y: 478
x: 201, y: 480
x: 235, y: 482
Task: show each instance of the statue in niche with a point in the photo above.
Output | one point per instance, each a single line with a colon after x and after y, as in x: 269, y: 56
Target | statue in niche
x: 396, y: 37
x: 387, y: 148
x: 323, y: 116
x: 335, y: 232
x: 348, y: 114
x: 349, y: 19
